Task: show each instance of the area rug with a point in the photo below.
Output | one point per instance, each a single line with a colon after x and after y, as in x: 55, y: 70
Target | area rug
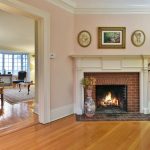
x: 13, y: 95
x: 115, y: 117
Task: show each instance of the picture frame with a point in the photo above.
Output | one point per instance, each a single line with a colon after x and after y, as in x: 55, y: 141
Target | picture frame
x: 111, y: 37
x: 138, y: 38
x: 84, y: 38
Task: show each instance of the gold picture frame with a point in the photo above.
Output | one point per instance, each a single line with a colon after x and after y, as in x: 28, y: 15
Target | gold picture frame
x: 138, y: 38
x: 111, y: 37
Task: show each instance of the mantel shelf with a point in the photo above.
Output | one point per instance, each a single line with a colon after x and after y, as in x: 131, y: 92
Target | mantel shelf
x: 110, y: 56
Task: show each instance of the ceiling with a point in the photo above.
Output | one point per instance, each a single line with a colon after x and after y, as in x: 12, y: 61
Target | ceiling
x: 16, y: 32
x: 104, y: 6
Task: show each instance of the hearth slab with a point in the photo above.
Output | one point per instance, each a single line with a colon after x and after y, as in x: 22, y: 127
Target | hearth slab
x: 110, y: 110
x: 115, y: 117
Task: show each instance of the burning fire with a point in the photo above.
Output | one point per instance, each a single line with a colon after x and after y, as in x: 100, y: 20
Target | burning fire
x: 109, y: 100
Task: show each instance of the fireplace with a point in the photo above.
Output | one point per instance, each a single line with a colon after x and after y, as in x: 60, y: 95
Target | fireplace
x: 111, y: 97
x: 130, y: 71
x: 116, y: 90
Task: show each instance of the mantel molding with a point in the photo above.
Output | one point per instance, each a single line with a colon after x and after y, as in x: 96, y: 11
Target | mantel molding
x: 111, y: 56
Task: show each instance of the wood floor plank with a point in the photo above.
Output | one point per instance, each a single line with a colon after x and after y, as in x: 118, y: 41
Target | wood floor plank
x: 68, y: 134
x: 17, y: 116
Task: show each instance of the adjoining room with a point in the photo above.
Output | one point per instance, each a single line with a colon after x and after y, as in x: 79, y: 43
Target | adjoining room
x: 17, y: 69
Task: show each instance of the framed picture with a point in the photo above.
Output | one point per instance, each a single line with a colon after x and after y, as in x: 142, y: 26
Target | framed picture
x: 111, y: 37
x: 84, y: 38
x: 138, y: 38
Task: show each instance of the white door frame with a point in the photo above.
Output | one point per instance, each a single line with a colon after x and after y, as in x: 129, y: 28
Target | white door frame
x: 43, y: 67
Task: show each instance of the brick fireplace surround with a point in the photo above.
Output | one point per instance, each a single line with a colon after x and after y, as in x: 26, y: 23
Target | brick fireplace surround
x: 131, y: 70
x: 129, y: 79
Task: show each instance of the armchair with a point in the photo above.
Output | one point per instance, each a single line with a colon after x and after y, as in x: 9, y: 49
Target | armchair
x: 21, y: 78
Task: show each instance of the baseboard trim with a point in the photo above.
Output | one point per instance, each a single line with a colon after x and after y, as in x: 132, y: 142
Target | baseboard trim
x: 61, y: 112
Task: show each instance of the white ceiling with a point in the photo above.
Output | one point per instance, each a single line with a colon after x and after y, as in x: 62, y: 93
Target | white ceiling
x: 104, y: 6
x: 16, y: 32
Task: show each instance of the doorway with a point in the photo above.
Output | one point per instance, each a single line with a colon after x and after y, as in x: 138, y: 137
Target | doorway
x: 17, y: 71
x: 42, y: 39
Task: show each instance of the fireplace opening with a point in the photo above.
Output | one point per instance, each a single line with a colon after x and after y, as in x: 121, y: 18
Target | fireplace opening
x: 111, y: 98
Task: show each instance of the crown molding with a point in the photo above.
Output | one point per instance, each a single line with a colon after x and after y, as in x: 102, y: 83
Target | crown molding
x: 112, y: 11
x: 71, y: 6
x: 70, y: 2
x: 67, y: 5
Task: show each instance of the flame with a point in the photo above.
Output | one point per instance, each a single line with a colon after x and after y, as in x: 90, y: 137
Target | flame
x: 108, y: 97
x: 109, y: 101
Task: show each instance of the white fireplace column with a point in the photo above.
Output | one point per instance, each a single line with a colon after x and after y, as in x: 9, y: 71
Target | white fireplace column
x: 145, y: 92
x: 146, y: 101
x: 79, y: 93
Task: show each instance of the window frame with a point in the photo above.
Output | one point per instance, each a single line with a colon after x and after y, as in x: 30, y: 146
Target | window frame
x: 15, y: 72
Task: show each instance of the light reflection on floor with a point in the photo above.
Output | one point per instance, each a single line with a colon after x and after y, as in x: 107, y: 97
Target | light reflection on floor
x: 11, y: 114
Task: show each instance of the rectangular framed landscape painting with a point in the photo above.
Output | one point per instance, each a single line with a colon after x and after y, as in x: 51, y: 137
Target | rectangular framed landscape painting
x: 111, y: 37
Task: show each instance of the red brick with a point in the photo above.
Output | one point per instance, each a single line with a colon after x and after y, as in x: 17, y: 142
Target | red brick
x: 129, y: 79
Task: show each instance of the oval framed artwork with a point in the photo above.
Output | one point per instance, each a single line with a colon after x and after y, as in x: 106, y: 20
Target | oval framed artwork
x: 84, y: 38
x: 138, y: 38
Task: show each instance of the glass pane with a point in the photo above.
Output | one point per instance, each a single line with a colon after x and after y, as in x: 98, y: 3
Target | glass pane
x: 15, y: 56
x: 10, y: 56
x: 15, y: 72
x: 6, y: 56
x: 10, y: 65
x: 19, y: 57
x: 6, y: 60
x: 15, y: 60
x: 6, y: 67
x: 15, y: 68
x: 19, y: 64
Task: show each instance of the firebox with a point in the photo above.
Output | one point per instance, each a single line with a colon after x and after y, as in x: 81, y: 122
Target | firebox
x: 111, y: 97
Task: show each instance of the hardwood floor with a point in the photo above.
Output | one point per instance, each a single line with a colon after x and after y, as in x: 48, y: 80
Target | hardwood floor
x: 68, y: 134
x: 17, y: 116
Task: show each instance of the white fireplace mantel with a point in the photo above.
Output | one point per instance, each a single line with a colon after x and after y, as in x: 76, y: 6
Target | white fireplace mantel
x: 111, y: 63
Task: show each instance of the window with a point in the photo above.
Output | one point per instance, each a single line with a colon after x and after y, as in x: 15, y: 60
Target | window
x: 13, y: 62
x: 8, y: 63
x: 17, y: 64
x: 25, y: 62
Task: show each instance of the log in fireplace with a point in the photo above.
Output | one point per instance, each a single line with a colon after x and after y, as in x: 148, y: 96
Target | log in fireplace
x: 111, y: 97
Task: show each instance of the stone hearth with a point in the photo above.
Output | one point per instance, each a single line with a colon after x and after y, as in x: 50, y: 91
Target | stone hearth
x: 129, y: 70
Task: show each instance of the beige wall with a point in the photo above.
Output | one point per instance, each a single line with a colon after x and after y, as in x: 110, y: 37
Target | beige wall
x: 64, y: 28
x: 131, y: 22
x: 61, y: 35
